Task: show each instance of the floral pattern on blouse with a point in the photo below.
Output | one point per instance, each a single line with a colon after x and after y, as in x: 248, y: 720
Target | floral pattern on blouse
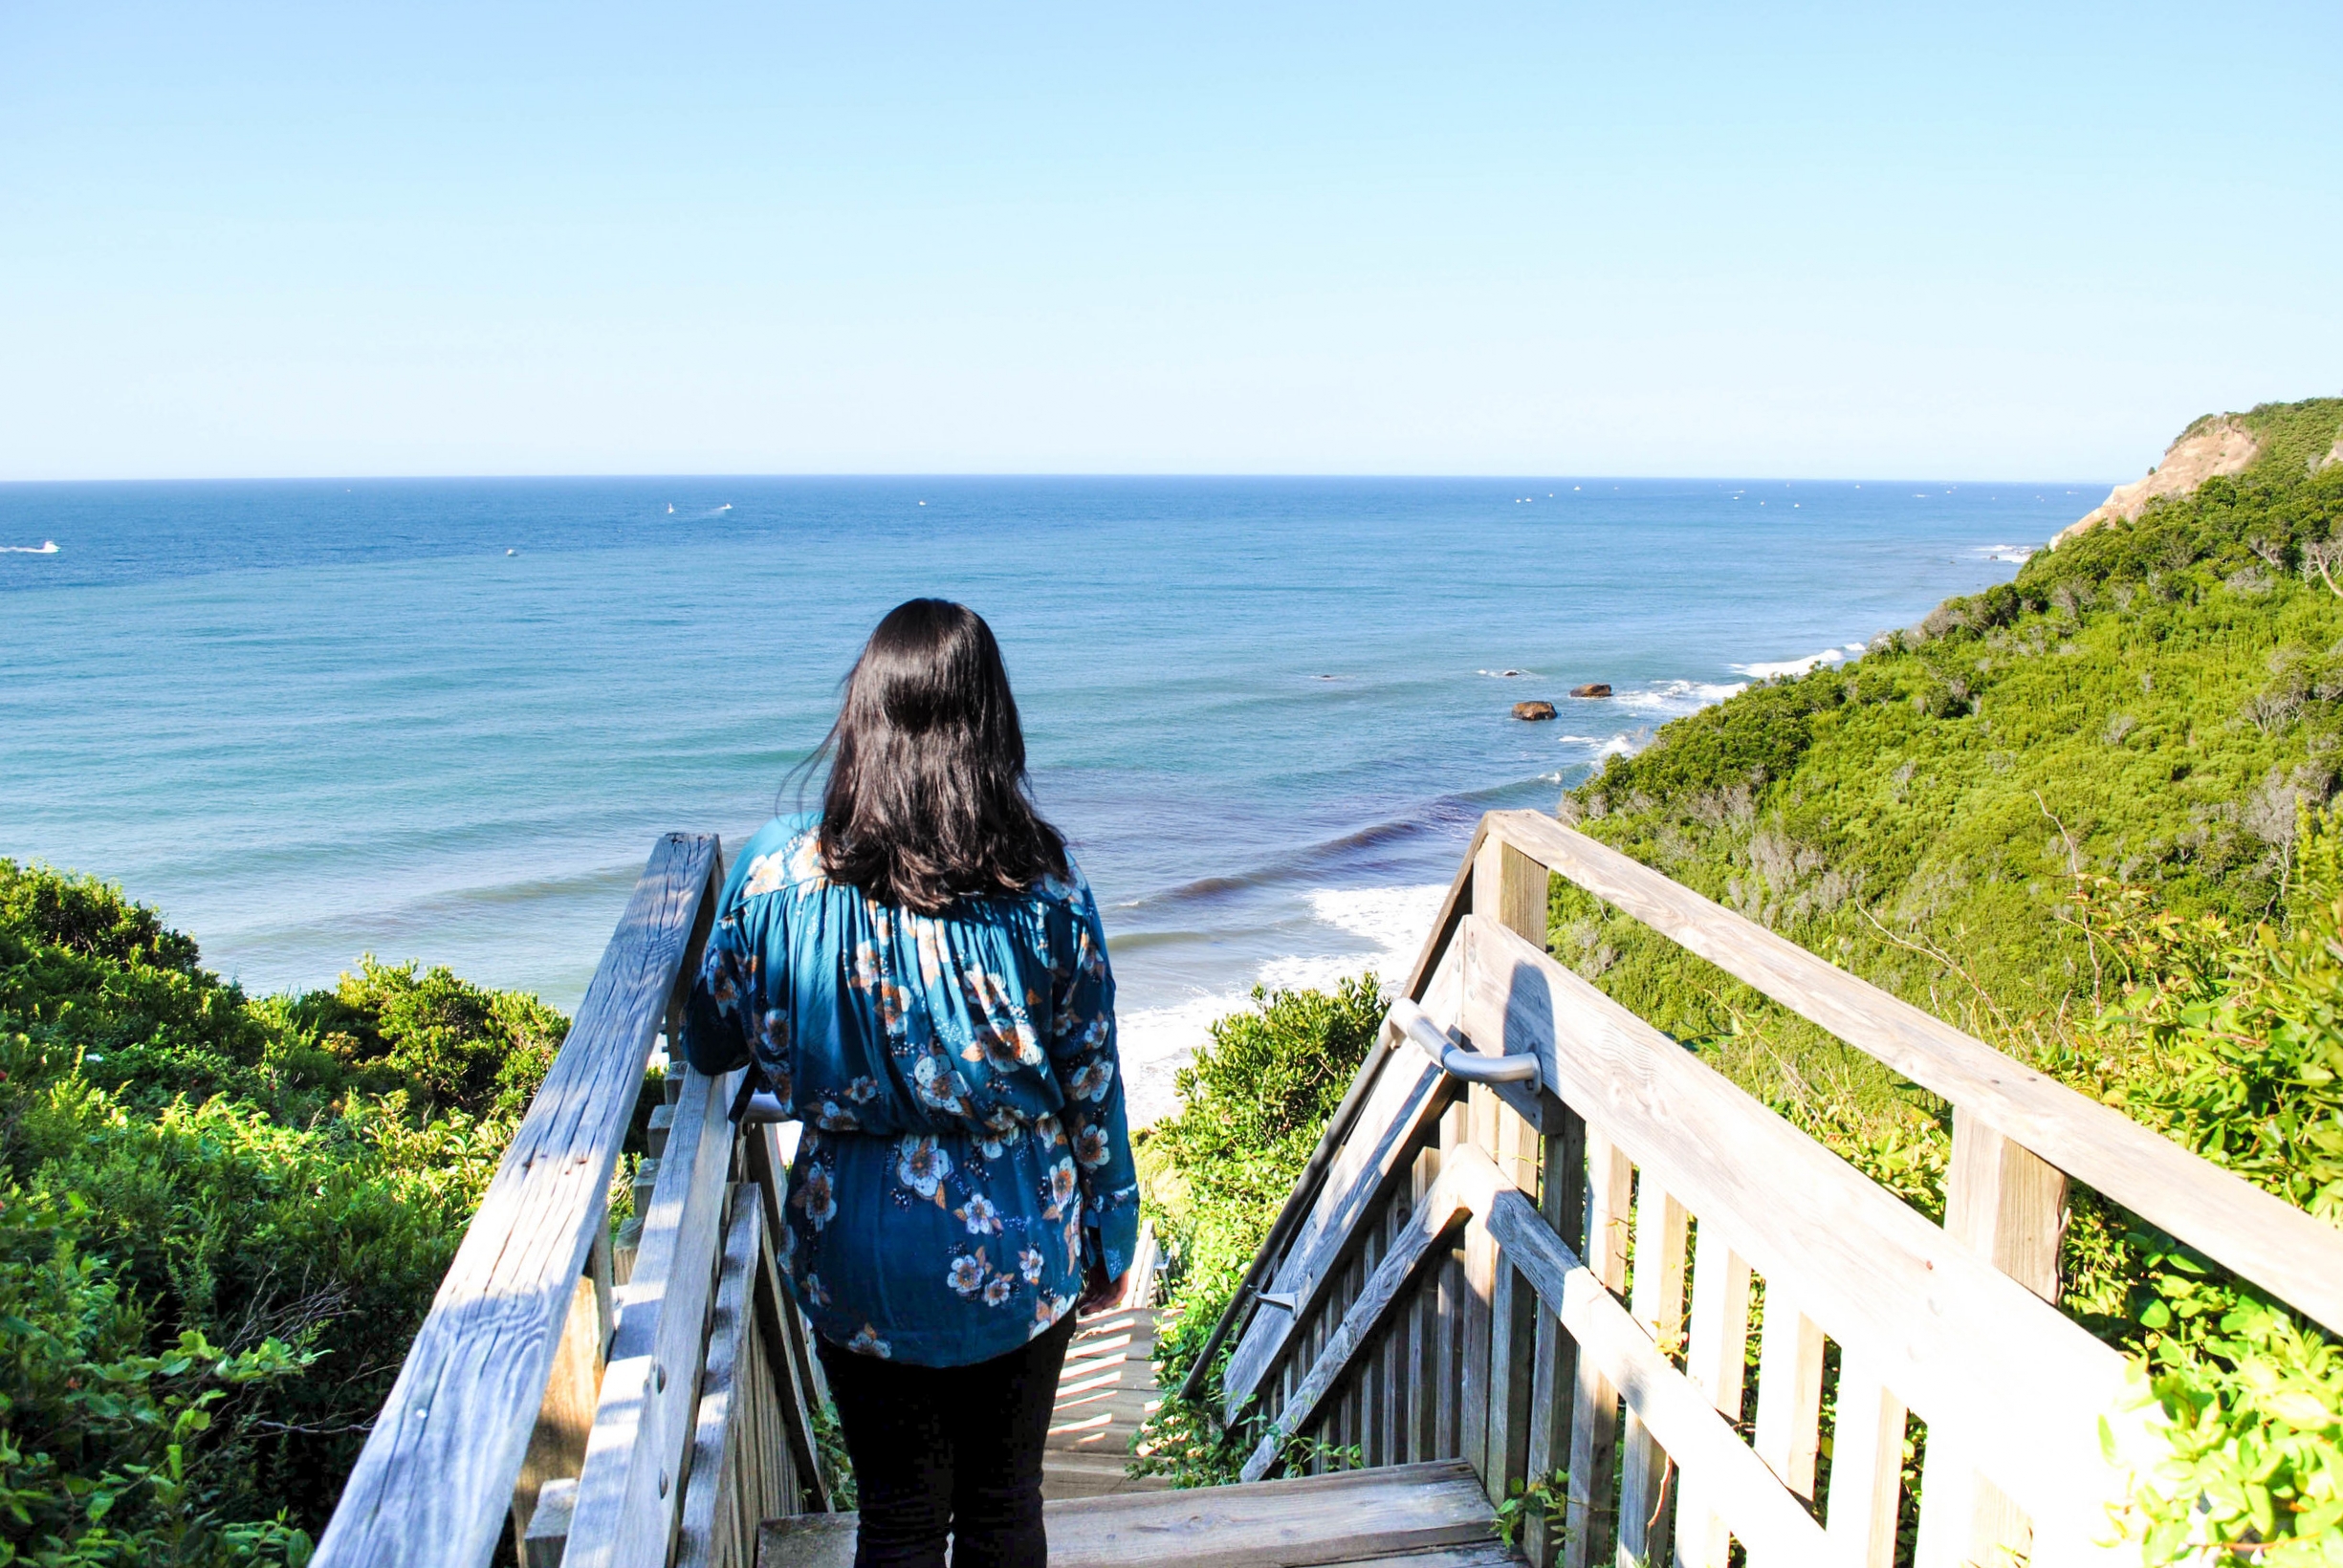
x: 965, y: 1149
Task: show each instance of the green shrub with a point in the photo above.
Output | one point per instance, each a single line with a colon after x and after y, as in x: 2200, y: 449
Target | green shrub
x: 293, y: 1172
x: 112, y: 1453
x: 2077, y: 816
x: 1252, y: 1107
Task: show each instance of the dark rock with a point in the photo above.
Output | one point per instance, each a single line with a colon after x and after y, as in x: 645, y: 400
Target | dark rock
x: 1593, y: 688
x: 1533, y: 710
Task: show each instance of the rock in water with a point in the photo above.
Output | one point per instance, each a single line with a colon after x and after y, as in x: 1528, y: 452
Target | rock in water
x: 1593, y: 688
x: 1533, y: 710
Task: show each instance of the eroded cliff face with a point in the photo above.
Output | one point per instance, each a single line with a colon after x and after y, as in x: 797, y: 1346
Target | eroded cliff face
x: 2212, y: 446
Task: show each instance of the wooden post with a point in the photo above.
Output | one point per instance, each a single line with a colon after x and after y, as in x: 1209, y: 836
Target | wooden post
x: 557, y: 1448
x: 1562, y: 1203
x: 1658, y: 1306
x: 1716, y: 1356
x: 2009, y: 1208
x: 1594, y: 1412
x: 1510, y: 889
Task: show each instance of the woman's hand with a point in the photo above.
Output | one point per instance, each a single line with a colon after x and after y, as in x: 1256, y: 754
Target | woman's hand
x: 1097, y: 1289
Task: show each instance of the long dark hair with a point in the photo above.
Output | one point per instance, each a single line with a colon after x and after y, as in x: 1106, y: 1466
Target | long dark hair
x: 926, y: 801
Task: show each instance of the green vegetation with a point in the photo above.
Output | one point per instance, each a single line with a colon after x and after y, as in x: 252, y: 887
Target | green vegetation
x: 1252, y: 1106
x: 2083, y: 815
x: 221, y: 1220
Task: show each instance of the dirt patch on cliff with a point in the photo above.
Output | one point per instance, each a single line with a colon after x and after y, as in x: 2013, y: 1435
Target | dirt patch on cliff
x: 2212, y: 447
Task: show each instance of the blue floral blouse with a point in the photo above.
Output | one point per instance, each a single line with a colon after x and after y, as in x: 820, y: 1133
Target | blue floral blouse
x: 965, y: 1149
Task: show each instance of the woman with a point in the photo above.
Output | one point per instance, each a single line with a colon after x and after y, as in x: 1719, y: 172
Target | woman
x: 919, y: 974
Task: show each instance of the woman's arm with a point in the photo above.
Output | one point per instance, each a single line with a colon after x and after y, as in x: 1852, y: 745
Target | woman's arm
x: 716, y: 1027
x: 1089, y: 1075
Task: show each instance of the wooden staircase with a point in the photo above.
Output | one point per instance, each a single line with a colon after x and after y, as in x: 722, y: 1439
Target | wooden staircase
x: 1106, y: 1392
x: 1406, y: 1516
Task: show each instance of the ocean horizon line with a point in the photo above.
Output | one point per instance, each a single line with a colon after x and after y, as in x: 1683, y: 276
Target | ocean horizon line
x: 1036, y: 476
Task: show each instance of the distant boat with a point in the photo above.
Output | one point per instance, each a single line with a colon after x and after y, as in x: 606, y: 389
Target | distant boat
x: 726, y: 506
x: 670, y: 509
x: 512, y: 552
x: 47, y: 547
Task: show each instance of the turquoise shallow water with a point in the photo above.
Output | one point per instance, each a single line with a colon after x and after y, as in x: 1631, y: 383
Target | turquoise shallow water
x: 446, y: 719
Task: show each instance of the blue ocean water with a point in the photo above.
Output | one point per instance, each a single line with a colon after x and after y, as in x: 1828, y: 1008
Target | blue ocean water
x: 446, y: 719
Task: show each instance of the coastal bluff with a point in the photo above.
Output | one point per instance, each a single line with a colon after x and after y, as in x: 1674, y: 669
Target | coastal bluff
x: 2218, y: 446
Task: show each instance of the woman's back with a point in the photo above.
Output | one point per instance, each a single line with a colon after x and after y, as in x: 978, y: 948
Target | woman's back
x: 956, y: 1072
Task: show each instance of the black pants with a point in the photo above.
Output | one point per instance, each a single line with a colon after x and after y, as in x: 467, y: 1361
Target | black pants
x: 949, y: 1451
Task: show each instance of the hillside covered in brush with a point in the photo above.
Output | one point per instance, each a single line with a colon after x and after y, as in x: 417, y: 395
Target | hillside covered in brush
x: 2084, y: 816
x: 221, y: 1220
x: 2155, y: 702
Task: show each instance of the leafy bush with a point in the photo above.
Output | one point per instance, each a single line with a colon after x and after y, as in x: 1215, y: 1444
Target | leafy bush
x: 2078, y: 815
x: 1252, y: 1107
x: 283, y: 1179
x: 105, y: 1449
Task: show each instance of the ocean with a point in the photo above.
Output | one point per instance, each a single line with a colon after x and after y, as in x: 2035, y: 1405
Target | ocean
x: 445, y: 720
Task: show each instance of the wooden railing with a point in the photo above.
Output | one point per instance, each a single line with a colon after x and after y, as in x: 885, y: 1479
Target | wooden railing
x: 1568, y: 1274
x: 614, y: 1402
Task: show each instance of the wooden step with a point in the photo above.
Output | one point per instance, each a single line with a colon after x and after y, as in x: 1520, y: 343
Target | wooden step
x: 1424, y: 1516
x: 1105, y: 1395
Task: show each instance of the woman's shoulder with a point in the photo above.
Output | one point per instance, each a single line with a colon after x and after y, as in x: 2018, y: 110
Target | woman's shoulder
x: 1072, y: 890
x: 785, y: 852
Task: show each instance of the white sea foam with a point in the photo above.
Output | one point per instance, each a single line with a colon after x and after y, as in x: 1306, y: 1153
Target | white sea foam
x: 1676, y: 698
x: 1799, y: 667
x: 1387, y: 925
x: 2017, y: 554
x: 1504, y: 674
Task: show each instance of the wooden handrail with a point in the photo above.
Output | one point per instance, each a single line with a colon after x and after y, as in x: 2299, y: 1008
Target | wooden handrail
x: 1238, y: 1314
x: 2016, y: 1395
x: 1424, y: 1306
x: 1306, y: 1187
x: 632, y: 1484
x: 433, y: 1483
x: 1960, y: 1335
x: 2286, y: 1252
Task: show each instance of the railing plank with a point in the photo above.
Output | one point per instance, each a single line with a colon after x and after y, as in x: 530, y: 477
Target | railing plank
x: 1867, y: 1456
x: 724, y: 1425
x: 1879, y: 1278
x: 1423, y: 1399
x: 1658, y: 1306
x: 436, y: 1478
x: 1588, y: 1528
x: 1562, y: 1199
x: 1407, y: 1101
x: 628, y: 1492
x: 1764, y: 1515
x: 787, y: 1348
x: 1715, y: 1356
x: 1789, y: 1435
x: 2280, y: 1248
x: 1466, y: 1175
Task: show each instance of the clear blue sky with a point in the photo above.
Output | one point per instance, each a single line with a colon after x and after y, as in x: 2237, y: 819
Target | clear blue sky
x: 1752, y: 240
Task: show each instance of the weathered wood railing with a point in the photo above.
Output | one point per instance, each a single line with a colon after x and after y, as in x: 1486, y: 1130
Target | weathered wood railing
x: 617, y: 1402
x: 1567, y: 1273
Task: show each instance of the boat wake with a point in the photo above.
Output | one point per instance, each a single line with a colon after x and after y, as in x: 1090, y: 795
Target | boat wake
x: 47, y: 547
